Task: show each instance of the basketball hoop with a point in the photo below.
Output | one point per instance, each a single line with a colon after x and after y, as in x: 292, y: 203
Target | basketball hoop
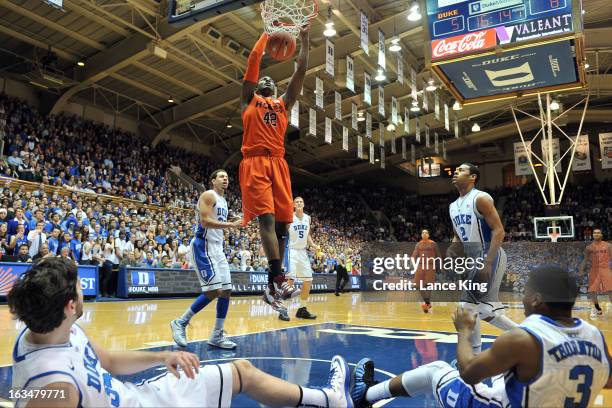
x: 288, y: 15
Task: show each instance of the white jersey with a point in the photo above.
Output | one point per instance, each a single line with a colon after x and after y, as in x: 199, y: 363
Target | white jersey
x: 470, y: 226
x: 574, y: 370
x: 298, y: 232
x: 74, y: 362
x: 215, y: 235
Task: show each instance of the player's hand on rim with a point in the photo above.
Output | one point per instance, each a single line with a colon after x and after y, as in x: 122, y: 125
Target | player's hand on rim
x: 464, y: 319
x: 188, y: 362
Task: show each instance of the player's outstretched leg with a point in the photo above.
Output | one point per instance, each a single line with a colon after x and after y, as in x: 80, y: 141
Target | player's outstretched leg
x: 362, y: 378
x: 273, y: 391
x: 302, y: 311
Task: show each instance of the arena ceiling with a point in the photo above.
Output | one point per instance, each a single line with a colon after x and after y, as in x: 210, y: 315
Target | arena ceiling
x: 203, y: 65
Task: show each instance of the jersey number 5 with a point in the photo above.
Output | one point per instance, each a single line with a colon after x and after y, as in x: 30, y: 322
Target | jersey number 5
x: 270, y: 118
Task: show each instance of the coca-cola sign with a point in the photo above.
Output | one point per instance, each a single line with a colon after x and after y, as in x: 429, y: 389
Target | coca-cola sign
x: 463, y: 44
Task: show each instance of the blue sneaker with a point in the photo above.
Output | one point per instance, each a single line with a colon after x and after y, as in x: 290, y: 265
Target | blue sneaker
x: 362, y: 378
x: 338, y: 384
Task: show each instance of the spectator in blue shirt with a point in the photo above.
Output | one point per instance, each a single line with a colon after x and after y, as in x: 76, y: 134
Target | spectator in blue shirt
x: 39, y: 216
x: 54, y: 223
x: 53, y: 241
x: 76, y: 246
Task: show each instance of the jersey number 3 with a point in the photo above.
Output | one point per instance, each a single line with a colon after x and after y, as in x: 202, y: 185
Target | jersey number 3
x: 584, y: 387
x: 270, y: 118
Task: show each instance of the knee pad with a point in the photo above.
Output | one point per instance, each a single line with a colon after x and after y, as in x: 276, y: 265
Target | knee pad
x: 490, y: 310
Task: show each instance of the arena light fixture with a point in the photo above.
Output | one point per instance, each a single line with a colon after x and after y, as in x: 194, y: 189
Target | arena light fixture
x: 415, y: 107
x: 360, y: 119
x: 475, y: 127
x: 457, y: 106
x: 554, y: 105
x: 170, y: 99
x: 395, y: 45
x: 586, y: 65
x: 431, y: 86
x: 415, y: 13
x: 330, y: 31
x: 390, y: 127
x: 229, y: 126
x: 81, y: 64
x: 380, y: 76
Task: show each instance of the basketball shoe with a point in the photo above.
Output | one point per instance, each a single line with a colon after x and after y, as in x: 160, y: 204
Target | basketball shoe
x: 362, y: 378
x: 426, y: 307
x: 338, y: 384
x: 596, y: 314
x: 270, y: 297
x: 220, y: 340
x: 303, y: 313
x: 284, y: 289
x: 179, y: 334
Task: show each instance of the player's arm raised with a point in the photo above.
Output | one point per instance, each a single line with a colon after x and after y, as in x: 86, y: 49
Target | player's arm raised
x: 251, y: 76
x: 206, y: 208
x: 297, y: 79
x: 512, y: 348
x: 485, y: 206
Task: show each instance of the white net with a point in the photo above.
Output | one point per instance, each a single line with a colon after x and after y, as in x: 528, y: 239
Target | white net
x: 287, y: 15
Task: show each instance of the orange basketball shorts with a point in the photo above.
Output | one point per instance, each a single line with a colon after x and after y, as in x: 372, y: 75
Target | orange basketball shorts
x: 600, y: 280
x: 424, y: 275
x: 266, y: 188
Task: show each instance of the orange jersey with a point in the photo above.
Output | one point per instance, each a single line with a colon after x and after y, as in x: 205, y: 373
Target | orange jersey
x: 426, y: 248
x: 600, y: 255
x: 264, y: 122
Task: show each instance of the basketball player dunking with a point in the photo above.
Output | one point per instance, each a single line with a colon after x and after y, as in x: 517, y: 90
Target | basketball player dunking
x: 426, y: 274
x: 297, y: 261
x: 264, y: 173
x: 600, y: 276
x: 477, y: 225
x: 209, y: 260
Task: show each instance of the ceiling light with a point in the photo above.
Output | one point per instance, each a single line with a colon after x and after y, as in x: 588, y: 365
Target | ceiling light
x: 377, y: 160
x: 586, y: 65
x: 475, y: 127
x: 415, y: 13
x: 391, y: 127
x: 415, y: 107
x: 170, y: 100
x: 330, y: 31
x: 457, y: 106
x: 81, y: 64
x: 554, y: 105
x: 229, y: 126
x: 430, y: 86
x: 360, y: 113
x: 360, y: 119
x: 380, y: 76
x: 395, y: 45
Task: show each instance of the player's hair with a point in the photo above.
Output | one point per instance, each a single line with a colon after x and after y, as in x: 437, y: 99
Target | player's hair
x: 216, y: 173
x: 473, y: 170
x: 38, y: 298
x: 424, y: 229
x: 298, y: 197
x: 556, y: 285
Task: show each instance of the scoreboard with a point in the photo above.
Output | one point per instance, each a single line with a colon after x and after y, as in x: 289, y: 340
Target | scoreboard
x: 459, y: 27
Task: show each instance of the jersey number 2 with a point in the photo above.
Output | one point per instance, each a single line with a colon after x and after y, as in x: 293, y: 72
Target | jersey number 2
x: 270, y: 118
x: 584, y: 387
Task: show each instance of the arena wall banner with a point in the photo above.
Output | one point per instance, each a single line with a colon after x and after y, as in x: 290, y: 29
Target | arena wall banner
x: 582, y: 157
x: 521, y: 160
x: 167, y: 282
x: 11, y: 271
x: 605, y: 146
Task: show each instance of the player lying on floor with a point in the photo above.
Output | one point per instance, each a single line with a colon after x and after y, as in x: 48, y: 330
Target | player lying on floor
x: 56, y: 365
x: 550, y: 360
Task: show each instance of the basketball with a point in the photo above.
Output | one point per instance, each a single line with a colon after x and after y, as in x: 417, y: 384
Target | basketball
x: 281, y: 46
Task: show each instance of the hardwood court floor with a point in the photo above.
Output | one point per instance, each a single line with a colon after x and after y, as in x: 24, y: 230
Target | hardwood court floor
x: 145, y: 324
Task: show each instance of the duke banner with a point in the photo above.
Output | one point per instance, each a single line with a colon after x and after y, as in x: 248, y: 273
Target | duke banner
x: 582, y: 156
x: 521, y: 160
x: 605, y: 146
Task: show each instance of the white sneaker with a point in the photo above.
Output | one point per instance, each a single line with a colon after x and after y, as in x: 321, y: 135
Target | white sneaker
x: 178, y: 332
x: 596, y: 314
x: 338, y: 384
x: 219, y: 339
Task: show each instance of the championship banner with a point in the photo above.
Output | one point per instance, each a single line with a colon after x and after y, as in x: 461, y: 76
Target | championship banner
x: 372, y: 153
x: 436, y: 107
x: 394, y: 119
x: 436, y: 148
x: 359, y: 147
x: 444, y: 149
x: 456, y: 128
x: 319, y: 92
x: 367, y: 89
x: 413, y: 84
x: 426, y: 135
x: 403, y: 148
x: 412, y: 154
x: 425, y: 99
x: 393, y: 149
x: 364, y: 34
x: 381, y: 100
x: 368, y: 125
x: 406, y: 120
x: 354, y: 116
x: 582, y: 155
x: 329, y: 58
x: 337, y: 105
x: 350, y: 74
x: 555, y: 150
x: 400, y: 68
x: 381, y: 134
x: 382, y: 157
x: 605, y: 147
x: 10, y: 272
x: 382, y: 60
x: 295, y: 114
x: 328, y: 130
x: 345, y: 138
x: 417, y: 129
x: 521, y: 160
x: 446, y: 118
x: 312, y: 122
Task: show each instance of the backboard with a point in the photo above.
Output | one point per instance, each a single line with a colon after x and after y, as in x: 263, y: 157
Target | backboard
x: 184, y: 12
x: 553, y: 228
